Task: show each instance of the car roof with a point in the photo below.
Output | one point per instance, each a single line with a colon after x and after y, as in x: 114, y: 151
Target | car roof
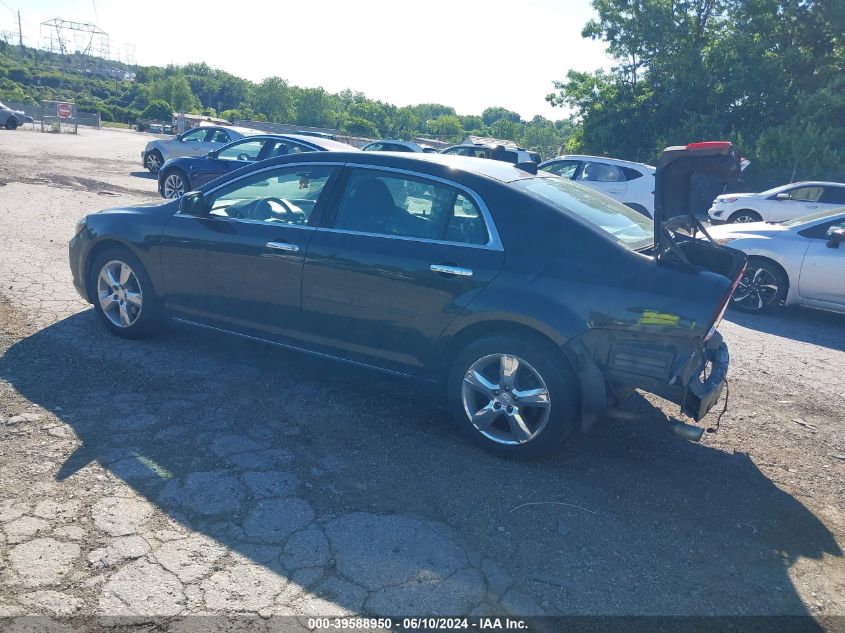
x: 413, y: 161
x: 612, y: 161
x: 511, y: 148
x: 326, y: 144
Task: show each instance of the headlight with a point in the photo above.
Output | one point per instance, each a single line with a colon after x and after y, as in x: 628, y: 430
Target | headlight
x: 726, y: 200
x: 80, y: 226
x: 724, y: 240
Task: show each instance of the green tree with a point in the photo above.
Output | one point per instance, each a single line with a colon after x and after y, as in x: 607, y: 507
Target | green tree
x: 272, y: 98
x: 176, y: 91
x: 491, y: 115
x: 158, y: 110
x: 315, y: 107
x: 446, y: 126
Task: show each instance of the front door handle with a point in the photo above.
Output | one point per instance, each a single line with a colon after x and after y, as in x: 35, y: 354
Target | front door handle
x: 282, y: 246
x: 451, y: 270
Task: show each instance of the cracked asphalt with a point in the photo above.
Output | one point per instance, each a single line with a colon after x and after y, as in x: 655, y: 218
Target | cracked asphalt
x: 196, y: 474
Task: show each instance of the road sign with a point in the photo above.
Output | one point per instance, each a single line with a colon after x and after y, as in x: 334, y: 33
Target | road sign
x: 64, y: 110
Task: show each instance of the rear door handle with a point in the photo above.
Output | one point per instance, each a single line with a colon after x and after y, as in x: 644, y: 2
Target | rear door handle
x: 282, y: 246
x: 451, y: 270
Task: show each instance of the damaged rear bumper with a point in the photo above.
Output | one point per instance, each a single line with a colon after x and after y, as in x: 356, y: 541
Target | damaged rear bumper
x: 707, y: 382
x: 690, y: 373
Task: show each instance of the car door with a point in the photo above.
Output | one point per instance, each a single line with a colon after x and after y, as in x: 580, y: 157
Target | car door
x: 603, y: 177
x: 823, y: 269
x: 399, y: 255
x: 229, y: 158
x: 802, y: 200
x: 239, y: 264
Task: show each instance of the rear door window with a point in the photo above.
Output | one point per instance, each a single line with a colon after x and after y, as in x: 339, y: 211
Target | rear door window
x: 601, y: 172
x: 384, y: 203
x: 833, y: 195
x: 220, y: 136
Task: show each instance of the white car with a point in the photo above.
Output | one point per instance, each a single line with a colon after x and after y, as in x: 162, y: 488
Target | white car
x: 801, y: 261
x: 630, y: 183
x: 197, y: 141
x: 776, y: 205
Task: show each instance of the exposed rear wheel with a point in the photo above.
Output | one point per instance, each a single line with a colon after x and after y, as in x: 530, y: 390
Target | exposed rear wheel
x: 512, y: 397
x: 123, y: 294
x: 762, y: 287
x: 744, y: 216
x: 11, y: 123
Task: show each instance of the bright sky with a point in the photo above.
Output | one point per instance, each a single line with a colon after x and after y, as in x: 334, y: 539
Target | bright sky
x: 469, y: 54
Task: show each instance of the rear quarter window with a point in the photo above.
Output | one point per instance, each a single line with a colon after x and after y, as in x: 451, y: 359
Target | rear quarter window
x: 624, y: 225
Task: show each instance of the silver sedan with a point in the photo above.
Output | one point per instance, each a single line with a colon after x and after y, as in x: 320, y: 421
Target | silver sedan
x: 801, y: 261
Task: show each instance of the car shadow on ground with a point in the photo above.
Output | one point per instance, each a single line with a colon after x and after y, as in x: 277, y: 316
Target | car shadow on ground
x: 818, y: 327
x: 354, y: 486
x: 143, y: 173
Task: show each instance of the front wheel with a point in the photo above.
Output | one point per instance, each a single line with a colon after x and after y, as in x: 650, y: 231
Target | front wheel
x: 154, y: 161
x: 761, y: 289
x: 745, y: 216
x: 11, y: 123
x: 512, y: 397
x: 123, y: 295
x: 174, y: 185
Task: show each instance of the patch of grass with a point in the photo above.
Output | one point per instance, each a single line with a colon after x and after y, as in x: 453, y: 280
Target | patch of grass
x: 124, y: 126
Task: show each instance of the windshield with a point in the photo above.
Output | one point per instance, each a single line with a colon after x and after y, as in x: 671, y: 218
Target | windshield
x: 628, y: 227
x: 818, y: 215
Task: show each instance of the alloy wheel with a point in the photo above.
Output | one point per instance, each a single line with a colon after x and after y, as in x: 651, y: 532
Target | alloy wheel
x: 744, y: 219
x: 119, y: 293
x: 505, y: 399
x: 153, y: 162
x: 757, y: 289
x: 174, y: 186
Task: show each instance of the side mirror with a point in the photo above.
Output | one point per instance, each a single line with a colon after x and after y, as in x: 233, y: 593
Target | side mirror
x: 836, y: 235
x: 212, y: 154
x: 783, y: 196
x: 193, y: 203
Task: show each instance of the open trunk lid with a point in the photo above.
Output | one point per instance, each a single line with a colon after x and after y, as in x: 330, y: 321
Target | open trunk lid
x: 676, y: 228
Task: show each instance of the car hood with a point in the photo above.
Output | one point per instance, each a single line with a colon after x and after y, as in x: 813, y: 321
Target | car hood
x: 746, y: 230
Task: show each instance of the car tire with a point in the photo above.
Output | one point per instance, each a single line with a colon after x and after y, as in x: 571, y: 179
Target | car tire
x: 478, y: 383
x: 11, y: 123
x: 762, y: 288
x: 124, y: 300
x: 174, y: 184
x: 154, y: 161
x: 743, y: 216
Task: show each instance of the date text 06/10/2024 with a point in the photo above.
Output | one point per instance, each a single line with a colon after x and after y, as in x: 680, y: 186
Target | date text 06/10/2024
x: 418, y: 624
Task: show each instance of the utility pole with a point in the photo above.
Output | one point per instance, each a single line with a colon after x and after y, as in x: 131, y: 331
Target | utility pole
x: 20, y: 32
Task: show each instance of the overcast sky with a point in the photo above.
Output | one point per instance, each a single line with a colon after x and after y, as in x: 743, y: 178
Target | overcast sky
x: 469, y: 54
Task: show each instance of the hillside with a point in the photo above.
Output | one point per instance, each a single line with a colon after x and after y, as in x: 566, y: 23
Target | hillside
x: 31, y: 75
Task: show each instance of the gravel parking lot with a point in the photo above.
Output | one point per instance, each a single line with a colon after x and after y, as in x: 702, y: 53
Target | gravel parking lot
x: 196, y: 474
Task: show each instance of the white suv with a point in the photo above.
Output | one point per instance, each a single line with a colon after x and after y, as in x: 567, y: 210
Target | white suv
x: 776, y: 205
x: 630, y: 183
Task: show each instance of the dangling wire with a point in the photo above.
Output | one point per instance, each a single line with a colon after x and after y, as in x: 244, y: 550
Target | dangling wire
x: 713, y: 429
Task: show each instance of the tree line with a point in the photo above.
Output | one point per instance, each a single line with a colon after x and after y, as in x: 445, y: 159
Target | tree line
x: 768, y: 75
x: 156, y: 92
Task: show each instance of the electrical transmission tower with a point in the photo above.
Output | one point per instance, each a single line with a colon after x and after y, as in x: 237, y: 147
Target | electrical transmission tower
x: 68, y: 38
